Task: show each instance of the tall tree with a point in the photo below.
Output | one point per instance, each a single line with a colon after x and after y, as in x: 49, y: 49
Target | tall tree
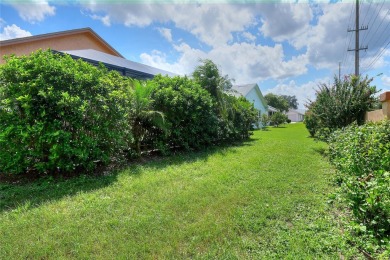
x: 292, y: 101
x: 209, y: 77
x: 277, y: 102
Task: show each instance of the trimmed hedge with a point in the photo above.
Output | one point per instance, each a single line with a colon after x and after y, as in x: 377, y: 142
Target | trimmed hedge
x: 361, y: 155
x: 63, y: 115
x: 59, y: 114
x: 189, y: 112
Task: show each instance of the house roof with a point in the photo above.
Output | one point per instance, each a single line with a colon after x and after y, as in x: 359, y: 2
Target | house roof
x: 126, y: 67
x: 271, y: 108
x: 244, y: 89
x: 57, y: 34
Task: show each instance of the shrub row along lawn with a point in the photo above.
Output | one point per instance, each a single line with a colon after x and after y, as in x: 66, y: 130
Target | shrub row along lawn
x: 264, y: 198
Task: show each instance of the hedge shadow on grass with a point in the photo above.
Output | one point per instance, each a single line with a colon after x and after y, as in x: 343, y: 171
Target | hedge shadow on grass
x: 321, y: 151
x: 181, y: 157
x: 32, y: 193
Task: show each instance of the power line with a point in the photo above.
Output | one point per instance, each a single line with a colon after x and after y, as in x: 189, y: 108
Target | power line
x: 382, y: 34
x: 377, y: 13
x: 348, y: 55
x: 378, y: 56
x: 368, y: 9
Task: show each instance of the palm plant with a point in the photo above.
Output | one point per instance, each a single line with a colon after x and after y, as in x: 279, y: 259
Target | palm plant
x: 141, y: 114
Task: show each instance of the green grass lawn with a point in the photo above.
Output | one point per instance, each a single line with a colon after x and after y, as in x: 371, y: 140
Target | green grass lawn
x: 266, y: 198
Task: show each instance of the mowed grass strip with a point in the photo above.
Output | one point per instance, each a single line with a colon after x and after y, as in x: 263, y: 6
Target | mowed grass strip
x: 263, y: 199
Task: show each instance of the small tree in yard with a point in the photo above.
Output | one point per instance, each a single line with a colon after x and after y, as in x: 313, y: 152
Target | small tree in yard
x: 278, y: 118
x: 264, y: 120
x: 338, y: 105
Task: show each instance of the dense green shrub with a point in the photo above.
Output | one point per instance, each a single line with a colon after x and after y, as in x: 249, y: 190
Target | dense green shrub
x: 244, y: 116
x: 278, y: 118
x: 233, y: 113
x: 192, y: 116
x: 311, y: 123
x: 58, y: 114
x: 189, y: 113
x: 361, y: 155
x: 62, y: 115
x: 340, y: 104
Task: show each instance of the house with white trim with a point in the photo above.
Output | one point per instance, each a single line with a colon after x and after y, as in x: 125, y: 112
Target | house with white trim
x: 295, y: 115
x: 253, y: 94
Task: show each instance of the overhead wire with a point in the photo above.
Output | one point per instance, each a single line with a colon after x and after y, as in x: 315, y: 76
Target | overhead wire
x: 368, y: 24
x: 382, y: 34
x: 377, y: 57
x: 377, y: 28
x: 382, y: 46
x: 364, y: 19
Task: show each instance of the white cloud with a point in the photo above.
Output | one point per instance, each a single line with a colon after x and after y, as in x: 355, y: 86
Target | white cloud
x: 325, y: 41
x: 184, y: 65
x: 166, y: 33
x: 386, y: 80
x: 303, y: 93
x: 320, y: 29
x: 284, y: 21
x: 33, y: 10
x: 13, y: 31
x: 104, y: 19
x: 372, y: 62
x: 244, y: 62
x: 213, y: 24
x: 249, y: 37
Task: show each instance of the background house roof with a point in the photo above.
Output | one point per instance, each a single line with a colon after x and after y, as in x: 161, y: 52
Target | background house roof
x: 244, y: 89
x: 272, y: 109
x: 49, y: 36
x: 126, y: 67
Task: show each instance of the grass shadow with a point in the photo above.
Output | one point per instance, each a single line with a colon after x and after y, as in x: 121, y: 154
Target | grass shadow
x: 180, y: 157
x: 321, y: 151
x: 32, y: 193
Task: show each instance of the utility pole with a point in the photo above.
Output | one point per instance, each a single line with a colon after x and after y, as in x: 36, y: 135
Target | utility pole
x: 357, y: 47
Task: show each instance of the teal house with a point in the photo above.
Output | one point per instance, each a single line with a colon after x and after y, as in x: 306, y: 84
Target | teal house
x: 253, y: 94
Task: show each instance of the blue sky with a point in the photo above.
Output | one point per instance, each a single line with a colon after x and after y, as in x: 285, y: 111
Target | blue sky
x: 287, y: 47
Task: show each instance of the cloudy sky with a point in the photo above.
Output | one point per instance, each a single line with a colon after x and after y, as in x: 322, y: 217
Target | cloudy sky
x: 287, y: 47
